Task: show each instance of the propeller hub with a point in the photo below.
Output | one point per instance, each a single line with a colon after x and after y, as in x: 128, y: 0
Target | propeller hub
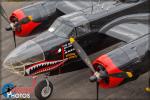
x: 10, y: 27
x: 95, y: 77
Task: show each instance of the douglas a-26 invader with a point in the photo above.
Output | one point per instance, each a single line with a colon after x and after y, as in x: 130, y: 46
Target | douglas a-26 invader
x: 114, y: 31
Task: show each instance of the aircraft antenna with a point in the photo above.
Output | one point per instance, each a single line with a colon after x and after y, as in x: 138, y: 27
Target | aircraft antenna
x: 99, y: 1
x: 92, y: 6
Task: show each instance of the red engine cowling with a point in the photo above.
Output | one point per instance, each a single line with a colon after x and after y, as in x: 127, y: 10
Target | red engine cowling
x: 40, y: 14
x: 133, y: 57
x: 110, y: 68
x: 25, y: 29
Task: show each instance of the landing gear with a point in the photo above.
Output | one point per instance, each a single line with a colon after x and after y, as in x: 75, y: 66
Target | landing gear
x: 43, y: 90
x: 148, y: 88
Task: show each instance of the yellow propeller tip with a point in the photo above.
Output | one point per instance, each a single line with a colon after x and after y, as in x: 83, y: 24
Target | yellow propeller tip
x: 72, y: 40
x: 147, y: 89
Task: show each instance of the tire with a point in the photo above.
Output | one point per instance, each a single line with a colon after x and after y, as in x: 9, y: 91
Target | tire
x: 41, y: 88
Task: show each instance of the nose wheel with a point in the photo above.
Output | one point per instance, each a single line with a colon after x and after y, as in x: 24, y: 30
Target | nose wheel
x: 43, y: 90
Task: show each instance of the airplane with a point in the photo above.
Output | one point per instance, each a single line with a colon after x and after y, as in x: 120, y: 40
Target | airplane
x: 77, y: 36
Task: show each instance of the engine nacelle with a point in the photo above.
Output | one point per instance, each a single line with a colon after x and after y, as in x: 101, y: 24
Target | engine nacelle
x: 133, y: 57
x: 40, y: 12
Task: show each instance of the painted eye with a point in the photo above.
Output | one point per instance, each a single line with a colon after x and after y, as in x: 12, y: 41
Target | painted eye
x: 59, y: 50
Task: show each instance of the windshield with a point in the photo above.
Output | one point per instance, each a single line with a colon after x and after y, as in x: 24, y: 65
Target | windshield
x: 60, y: 29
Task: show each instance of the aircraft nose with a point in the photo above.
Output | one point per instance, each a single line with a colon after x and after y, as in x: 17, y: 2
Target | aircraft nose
x: 26, y: 54
x: 13, y: 65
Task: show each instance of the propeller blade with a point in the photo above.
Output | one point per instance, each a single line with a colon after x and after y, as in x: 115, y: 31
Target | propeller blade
x: 14, y: 36
x: 2, y: 10
x: 82, y: 54
x: 85, y: 59
x: 4, y: 14
x: 97, y: 90
x: 11, y: 27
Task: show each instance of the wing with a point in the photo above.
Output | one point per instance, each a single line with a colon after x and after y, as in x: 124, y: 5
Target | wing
x: 128, y: 28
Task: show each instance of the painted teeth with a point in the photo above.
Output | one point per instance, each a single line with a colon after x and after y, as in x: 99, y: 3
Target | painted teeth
x: 28, y: 71
x: 38, y: 66
x: 52, y: 62
x: 48, y: 63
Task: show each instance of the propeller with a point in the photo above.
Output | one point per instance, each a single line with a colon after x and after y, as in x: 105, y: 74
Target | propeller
x: 97, y: 75
x: 15, y: 25
x: 87, y: 61
x: 4, y: 15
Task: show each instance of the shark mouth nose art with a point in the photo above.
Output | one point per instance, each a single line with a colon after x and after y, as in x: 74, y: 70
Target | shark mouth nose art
x: 43, y: 67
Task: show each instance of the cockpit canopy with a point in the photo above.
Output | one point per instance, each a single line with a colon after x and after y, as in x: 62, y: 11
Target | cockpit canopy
x: 60, y: 29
